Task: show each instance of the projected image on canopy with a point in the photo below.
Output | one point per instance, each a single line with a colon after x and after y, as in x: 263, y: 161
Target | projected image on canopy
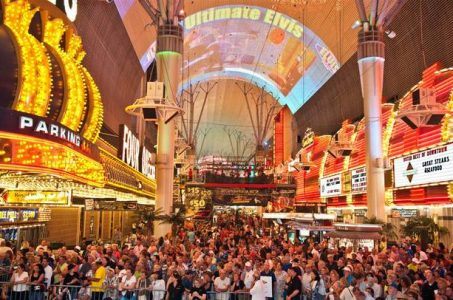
x: 259, y: 45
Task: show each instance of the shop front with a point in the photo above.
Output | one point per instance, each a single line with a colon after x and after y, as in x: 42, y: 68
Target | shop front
x: 306, y: 168
x: 51, y: 113
x: 417, y: 135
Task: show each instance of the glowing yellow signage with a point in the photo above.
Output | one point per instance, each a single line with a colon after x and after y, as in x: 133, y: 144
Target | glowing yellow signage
x: 33, y: 197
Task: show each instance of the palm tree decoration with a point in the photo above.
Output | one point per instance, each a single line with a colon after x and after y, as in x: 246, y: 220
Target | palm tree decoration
x: 176, y: 219
x: 148, y: 217
x: 388, y: 230
x: 425, y: 229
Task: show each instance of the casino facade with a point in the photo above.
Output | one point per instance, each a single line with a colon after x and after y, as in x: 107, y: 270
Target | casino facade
x: 58, y: 179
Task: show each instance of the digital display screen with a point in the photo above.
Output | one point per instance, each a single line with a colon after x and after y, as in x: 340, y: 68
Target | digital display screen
x: 256, y: 45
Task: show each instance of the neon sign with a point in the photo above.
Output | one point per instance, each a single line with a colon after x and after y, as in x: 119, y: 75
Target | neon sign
x: 135, y: 156
x: 41, y: 126
x: 129, y: 150
x: 39, y: 197
x: 68, y: 6
x: 147, y: 168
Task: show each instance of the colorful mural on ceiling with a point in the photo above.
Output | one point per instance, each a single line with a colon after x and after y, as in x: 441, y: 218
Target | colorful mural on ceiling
x: 258, y: 45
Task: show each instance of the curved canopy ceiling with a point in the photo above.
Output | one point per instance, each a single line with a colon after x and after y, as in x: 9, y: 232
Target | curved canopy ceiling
x: 290, y: 47
x: 258, y: 45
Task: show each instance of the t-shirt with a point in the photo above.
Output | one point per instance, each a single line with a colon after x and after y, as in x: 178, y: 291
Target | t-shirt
x: 20, y: 287
x: 158, y: 287
x: 97, y: 285
x: 294, y: 284
x: 200, y: 290
x: 175, y: 291
x: 128, y: 282
x: 257, y: 291
x: 248, y: 279
x: 48, y: 275
x: 239, y: 285
x: 68, y: 278
x: 427, y: 290
x: 347, y: 293
x: 222, y: 284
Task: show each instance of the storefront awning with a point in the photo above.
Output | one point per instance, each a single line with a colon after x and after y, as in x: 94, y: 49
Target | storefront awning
x: 354, y: 235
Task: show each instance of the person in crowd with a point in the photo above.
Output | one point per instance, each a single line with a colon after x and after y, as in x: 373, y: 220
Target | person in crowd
x: 97, y: 280
x: 19, y: 281
x: 222, y: 285
x: 197, y: 292
x: 429, y: 287
x: 72, y: 281
x: 36, y: 281
x: 258, y: 290
x: 318, y: 288
x: 110, y: 284
x: 127, y: 285
x: 231, y: 261
x: 48, y: 272
x: 237, y: 287
x: 157, y: 286
x: 294, y: 285
x: 280, y: 276
x: 175, y: 289
x: 143, y: 287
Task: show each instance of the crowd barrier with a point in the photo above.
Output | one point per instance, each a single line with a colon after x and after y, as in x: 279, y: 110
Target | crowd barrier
x: 71, y: 292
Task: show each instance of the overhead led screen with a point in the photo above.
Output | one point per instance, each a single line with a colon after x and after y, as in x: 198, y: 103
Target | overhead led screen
x: 258, y: 45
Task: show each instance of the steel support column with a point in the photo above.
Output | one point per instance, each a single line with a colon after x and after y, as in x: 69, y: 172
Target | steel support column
x: 371, y: 66
x: 169, y: 58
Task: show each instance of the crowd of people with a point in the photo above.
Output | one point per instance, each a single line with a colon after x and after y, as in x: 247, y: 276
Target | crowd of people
x: 231, y: 261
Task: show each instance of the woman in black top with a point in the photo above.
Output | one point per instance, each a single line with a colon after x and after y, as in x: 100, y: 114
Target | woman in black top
x: 72, y: 280
x: 174, y: 287
x: 197, y: 292
x: 37, y: 282
x: 237, y: 287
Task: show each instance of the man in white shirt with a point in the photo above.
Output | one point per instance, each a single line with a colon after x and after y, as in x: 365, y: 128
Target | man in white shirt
x: 42, y: 246
x: 372, y: 283
x: 221, y: 286
x: 47, y: 271
x: 423, y: 256
x: 257, y: 291
x: 348, y: 293
x: 138, y: 247
x: 306, y: 278
x: 248, y: 275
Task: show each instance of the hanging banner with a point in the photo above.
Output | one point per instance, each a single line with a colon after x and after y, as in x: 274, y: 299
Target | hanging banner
x: 358, y: 180
x: 405, y: 213
x: 33, y: 197
x: 429, y: 166
x: 12, y: 215
x: 241, y: 197
x: 330, y: 186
